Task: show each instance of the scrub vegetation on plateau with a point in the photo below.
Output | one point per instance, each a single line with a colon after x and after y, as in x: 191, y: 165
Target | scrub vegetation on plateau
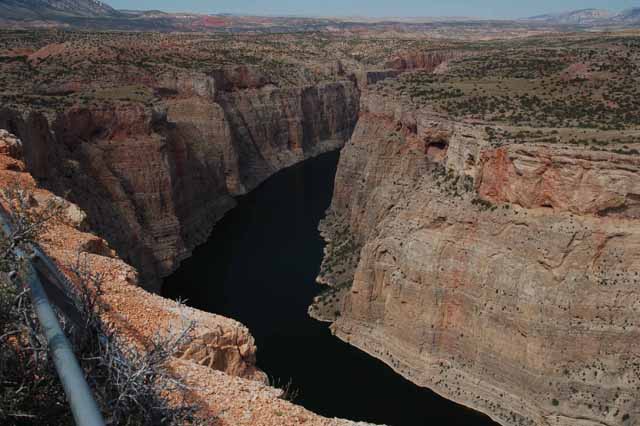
x: 51, y: 70
x: 582, y: 89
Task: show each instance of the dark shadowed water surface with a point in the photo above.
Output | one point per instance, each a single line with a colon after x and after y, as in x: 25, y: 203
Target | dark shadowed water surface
x: 259, y: 267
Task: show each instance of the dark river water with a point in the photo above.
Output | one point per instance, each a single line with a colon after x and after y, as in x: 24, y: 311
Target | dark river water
x: 259, y: 267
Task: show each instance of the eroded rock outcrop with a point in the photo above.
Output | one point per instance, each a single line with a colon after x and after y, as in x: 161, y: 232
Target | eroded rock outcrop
x: 503, y: 277
x: 428, y: 61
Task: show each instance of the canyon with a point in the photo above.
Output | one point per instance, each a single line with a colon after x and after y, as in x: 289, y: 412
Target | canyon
x: 494, y: 263
x: 216, y: 364
x: 154, y: 180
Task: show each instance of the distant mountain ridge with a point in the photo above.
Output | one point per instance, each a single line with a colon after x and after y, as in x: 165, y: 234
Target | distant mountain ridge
x: 595, y: 17
x: 582, y: 16
x: 54, y: 9
x: 630, y: 15
x: 83, y: 7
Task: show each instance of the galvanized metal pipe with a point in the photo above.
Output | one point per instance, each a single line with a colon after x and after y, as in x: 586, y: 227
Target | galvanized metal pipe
x: 83, y: 406
x: 60, y: 279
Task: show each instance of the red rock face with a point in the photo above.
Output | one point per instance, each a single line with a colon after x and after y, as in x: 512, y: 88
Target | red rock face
x: 505, y: 278
x: 575, y: 180
x: 119, y: 123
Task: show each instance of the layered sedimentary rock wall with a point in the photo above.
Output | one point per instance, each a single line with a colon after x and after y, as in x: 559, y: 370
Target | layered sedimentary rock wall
x: 154, y: 179
x: 504, y: 277
x: 428, y: 61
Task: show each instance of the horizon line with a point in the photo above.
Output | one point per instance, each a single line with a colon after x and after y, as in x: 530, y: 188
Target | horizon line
x: 373, y: 17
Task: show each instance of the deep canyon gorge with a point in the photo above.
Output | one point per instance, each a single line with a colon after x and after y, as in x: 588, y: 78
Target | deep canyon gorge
x: 264, y: 277
x: 494, y: 266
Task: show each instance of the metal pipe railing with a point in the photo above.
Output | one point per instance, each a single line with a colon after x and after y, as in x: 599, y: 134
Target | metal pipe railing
x: 53, y: 271
x: 83, y: 406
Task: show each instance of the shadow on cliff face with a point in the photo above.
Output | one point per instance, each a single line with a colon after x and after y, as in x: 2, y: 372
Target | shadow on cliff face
x: 60, y: 159
x: 138, y: 190
x: 276, y: 128
x: 245, y: 158
x: 199, y: 191
x: 339, y: 120
x: 33, y: 130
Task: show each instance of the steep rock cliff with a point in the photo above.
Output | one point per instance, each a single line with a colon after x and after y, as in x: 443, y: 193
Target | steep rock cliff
x: 503, y: 277
x: 428, y: 61
x: 425, y: 60
x: 155, y: 179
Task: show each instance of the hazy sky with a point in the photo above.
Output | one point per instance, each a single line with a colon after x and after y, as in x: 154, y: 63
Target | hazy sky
x: 377, y: 8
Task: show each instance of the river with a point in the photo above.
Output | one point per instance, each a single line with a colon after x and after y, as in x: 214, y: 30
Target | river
x: 259, y: 267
